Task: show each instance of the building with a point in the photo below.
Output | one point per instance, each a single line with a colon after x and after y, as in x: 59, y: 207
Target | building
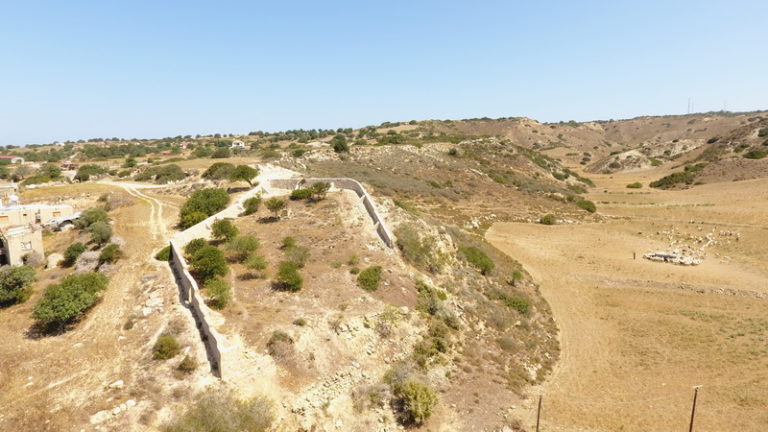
x: 13, y: 159
x: 18, y: 241
x: 237, y: 144
x: 15, y: 214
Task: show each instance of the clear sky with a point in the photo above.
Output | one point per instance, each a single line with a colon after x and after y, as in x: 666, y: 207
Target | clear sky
x: 81, y: 69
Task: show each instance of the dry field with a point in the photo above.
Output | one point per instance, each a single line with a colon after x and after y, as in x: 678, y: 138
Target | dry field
x: 638, y: 335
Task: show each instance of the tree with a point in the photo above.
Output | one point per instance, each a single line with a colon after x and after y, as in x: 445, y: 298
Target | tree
x: 15, y: 284
x: 244, y: 173
x: 66, y: 301
x: 90, y: 216
x: 72, y: 253
x: 288, y: 277
x: 339, y: 144
x: 319, y: 190
x: 85, y: 172
x: 101, y: 232
x: 242, y: 246
x: 192, y: 219
x: 223, y: 229
x: 218, y: 171
x: 207, y: 201
x: 51, y: 170
x: 195, y: 245
x: 276, y: 205
x: 251, y: 205
x: 208, y: 262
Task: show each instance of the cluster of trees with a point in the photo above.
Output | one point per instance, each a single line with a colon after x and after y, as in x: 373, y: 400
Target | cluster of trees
x: 47, y: 172
x: 15, y: 284
x: 161, y: 174
x: 228, y: 171
x: 202, y: 203
x: 85, y: 172
x: 316, y: 192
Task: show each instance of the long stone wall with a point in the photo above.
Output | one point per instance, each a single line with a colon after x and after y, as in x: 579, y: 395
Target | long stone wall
x: 344, y: 183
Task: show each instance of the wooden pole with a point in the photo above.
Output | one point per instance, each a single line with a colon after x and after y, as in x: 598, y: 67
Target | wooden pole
x: 538, y: 414
x: 693, y: 408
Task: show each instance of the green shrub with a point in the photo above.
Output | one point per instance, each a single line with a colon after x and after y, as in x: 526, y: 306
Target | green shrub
x: 224, y: 229
x: 288, y: 278
x: 275, y: 205
x: 163, y: 254
x: 369, y: 278
x: 587, y: 205
x: 255, y: 262
x: 166, y: 347
x: 187, y: 365
x: 477, y: 258
x: 100, y: 232
x: 354, y: 270
x: 162, y: 174
x: 687, y: 176
x: 339, y: 144
x: 301, y: 194
x: 244, y: 173
x: 221, y: 153
x: 242, y: 246
x: 219, y: 293
x: 420, y: 251
x: 297, y: 255
x: 72, y: 253
x: 548, y: 219
x: 15, y: 284
x: 288, y: 242
x: 635, y: 185
x: 110, y: 254
x: 195, y: 245
x: 218, y: 171
x: 67, y: 300
x: 221, y: 411
x: 418, y: 401
x: 755, y: 154
x: 251, y: 205
x: 208, y: 262
x: 204, y: 201
x: 90, y: 216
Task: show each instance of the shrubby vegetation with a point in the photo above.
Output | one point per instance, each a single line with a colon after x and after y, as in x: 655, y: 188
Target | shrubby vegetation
x: 687, y: 177
x: 224, y: 229
x: 275, y: 205
x: 72, y: 253
x: 369, y: 278
x: 85, y: 172
x: 221, y: 411
x: 548, y: 219
x: 100, y: 232
x: 635, y: 185
x: 288, y: 278
x: 251, y: 205
x: 587, y: 205
x: 166, y: 347
x: 316, y: 192
x: 219, y: 293
x: 194, y: 245
x: 207, y: 263
x: 15, y: 284
x: 163, y: 254
x: 110, y: 254
x: 477, y: 258
x: 420, y: 251
x: 162, y: 174
x: 202, y: 203
x: 64, y: 302
x: 242, y: 246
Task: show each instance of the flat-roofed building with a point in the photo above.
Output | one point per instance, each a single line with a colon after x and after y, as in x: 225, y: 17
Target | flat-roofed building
x: 18, y: 241
x: 35, y: 214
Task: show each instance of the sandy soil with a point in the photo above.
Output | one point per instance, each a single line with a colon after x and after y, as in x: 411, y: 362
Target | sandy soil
x: 638, y: 335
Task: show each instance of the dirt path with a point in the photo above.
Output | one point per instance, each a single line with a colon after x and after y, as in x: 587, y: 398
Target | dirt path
x: 637, y: 335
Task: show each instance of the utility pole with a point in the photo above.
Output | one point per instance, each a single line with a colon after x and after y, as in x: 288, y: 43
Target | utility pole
x: 538, y: 414
x: 693, y: 408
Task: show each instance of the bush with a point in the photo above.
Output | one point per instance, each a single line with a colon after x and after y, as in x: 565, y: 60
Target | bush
x: 251, y: 205
x: 219, y: 293
x: 72, y: 253
x: 218, y: 171
x: 164, y: 254
x: 319, y: 190
x: 162, y: 174
x: 208, y: 262
x: 110, y: 254
x: 242, y: 246
x: 165, y: 348
x: 339, y: 144
x: 300, y: 194
x: 221, y: 411
x: 223, y: 229
x: 587, y: 205
x: 297, y: 255
x: 101, y: 232
x: 369, y: 278
x: 288, y: 242
x: 288, y: 277
x: 187, y: 365
x: 687, y: 176
x: 85, y: 172
x: 66, y: 301
x: 204, y: 202
x: 477, y: 258
x: 15, y: 284
x: 548, y: 219
x: 255, y: 262
x: 755, y: 154
x: 280, y: 344
x: 195, y: 245
x: 420, y: 251
x: 635, y: 185
x: 418, y: 401
x: 91, y: 216
x: 221, y: 153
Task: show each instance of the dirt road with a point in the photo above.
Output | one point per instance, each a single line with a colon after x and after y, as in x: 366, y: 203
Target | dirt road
x: 637, y: 335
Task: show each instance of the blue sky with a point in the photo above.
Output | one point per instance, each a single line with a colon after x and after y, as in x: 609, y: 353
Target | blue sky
x: 77, y: 69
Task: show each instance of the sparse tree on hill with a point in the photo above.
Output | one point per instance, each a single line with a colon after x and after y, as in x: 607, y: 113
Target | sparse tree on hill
x: 223, y: 229
x: 276, y: 205
x: 244, y: 173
